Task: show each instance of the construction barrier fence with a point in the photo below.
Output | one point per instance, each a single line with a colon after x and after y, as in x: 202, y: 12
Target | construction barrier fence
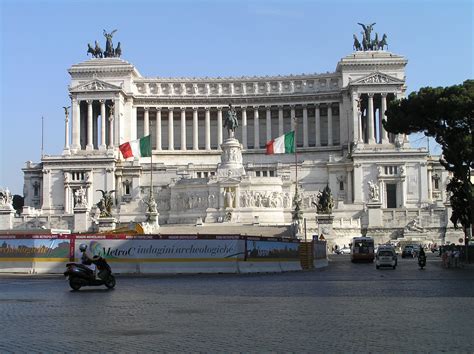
x: 151, y: 254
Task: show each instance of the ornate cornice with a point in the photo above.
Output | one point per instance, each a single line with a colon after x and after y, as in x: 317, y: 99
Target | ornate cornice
x: 238, y: 101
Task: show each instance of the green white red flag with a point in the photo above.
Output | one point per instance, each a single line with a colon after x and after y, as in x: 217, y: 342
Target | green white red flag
x: 136, y: 148
x: 284, y: 144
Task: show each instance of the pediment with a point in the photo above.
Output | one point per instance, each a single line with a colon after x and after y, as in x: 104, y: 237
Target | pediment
x: 95, y: 85
x: 377, y: 78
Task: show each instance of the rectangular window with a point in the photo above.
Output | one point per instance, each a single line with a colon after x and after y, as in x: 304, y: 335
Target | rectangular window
x: 391, y: 195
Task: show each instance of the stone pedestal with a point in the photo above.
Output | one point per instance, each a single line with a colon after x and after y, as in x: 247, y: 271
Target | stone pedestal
x: 375, y: 214
x: 6, y: 218
x: 324, y: 223
x: 106, y: 223
x: 81, y: 219
x: 231, y: 159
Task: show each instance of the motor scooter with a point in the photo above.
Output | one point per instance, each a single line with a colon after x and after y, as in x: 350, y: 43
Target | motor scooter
x: 80, y: 275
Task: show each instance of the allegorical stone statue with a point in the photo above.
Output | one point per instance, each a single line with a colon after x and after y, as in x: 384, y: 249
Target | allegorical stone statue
x: 373, y: 191
x: 80, y: 198
x: 325, y: 201
x: 105, y: 204
x: 231, y: 122
x: 6, y: 198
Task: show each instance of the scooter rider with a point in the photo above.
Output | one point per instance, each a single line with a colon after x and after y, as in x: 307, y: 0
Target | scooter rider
x: 422, y: 257
x: 86, y: 260
x: 96, y: 262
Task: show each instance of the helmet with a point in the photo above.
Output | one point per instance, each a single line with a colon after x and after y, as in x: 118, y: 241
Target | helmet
x: 82, y: 247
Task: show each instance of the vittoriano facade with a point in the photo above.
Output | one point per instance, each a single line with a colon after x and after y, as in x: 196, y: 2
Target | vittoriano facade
x: 379, y: 184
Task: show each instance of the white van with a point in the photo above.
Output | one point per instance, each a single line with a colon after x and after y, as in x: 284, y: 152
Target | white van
x: 386, y: 257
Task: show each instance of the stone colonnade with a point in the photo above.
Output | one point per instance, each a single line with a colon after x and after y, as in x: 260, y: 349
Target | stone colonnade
x: 250, y: 135
x: 365, y: 120
x: 85, y: 125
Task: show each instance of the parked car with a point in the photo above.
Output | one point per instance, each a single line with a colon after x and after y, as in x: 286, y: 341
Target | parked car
x: 386, y: 257
x: 345, y: 250
x: 407, y: 251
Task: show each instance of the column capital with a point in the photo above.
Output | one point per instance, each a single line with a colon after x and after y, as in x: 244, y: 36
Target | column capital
x: 146, y: 108
x: 102, y: 101
x: 256, y: 108
x: 89, y: 101
x: 195, y: 109
x: 207, y: 109
x: 183, y: 109
x: 304, y: 106
x: 219, y: 108
x: 292, y: 106
x: 158, y: 109
x: 317, y: 105
x: 280, y: 106
x: 371, y: 95
x: 170, y: 109
x: 268, y: 108
x: 384, y: 94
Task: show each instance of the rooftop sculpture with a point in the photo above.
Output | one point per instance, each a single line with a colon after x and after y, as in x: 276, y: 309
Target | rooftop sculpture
x: 109, y: 52
x: 367, y: 42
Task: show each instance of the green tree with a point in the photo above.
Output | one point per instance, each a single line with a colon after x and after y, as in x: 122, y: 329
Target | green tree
x: 18, y: 202
x: 446, y: 114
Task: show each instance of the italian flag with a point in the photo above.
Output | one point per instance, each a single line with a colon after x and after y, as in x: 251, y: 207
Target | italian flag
x: 284, y: 144
x: 136, y: 148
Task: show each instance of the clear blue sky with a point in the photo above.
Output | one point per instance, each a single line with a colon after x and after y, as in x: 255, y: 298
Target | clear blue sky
x: 41, y: 39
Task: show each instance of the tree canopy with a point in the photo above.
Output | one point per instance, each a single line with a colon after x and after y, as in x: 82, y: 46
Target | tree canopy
x: 447, y: 115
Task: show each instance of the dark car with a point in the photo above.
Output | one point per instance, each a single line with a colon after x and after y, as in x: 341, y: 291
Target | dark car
x: 407, y: 251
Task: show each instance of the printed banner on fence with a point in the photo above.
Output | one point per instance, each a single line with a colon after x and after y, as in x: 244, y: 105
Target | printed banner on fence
x: 164, y: 250
x: 32, y: 249
x: 272, y: 251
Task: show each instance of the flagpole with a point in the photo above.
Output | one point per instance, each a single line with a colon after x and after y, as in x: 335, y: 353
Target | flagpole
x: 151, y: 172
x: 42, y: 136
x: 296, y: 154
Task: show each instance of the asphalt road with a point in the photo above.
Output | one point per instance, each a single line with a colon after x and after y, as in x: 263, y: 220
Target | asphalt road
x: 343, y: 308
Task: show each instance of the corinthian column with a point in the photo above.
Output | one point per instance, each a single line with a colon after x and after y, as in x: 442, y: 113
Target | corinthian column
x: 170, y: 129
x: 317, y: 117
x: 76, y: 124
x: 207, y: 123
x: 102, y: 125
x: 330, y: 124
x: 382, y: 116
x: 111, y: 128
x: 195, y: 129
x: 280, y: 120
x: 256, y: 125
x: 305, y: 126
x: 158, y: 128
x: 370, y: 119
x: 183, y: 128
x: 269, y: 123
x: 244, y: 127
x: 219, y: 127
x: 89, y: 145
x: 146, y: 121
